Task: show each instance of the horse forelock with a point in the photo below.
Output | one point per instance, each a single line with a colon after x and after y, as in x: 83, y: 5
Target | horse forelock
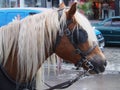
x: 85, y: 24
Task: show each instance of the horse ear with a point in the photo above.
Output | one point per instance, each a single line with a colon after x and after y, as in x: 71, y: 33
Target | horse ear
x: 62, y: 5
x: 71, y: 11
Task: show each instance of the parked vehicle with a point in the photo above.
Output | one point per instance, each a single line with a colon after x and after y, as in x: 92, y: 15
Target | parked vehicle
x: 110, y: 28
x: 9, y: 14
x: 100, y: 39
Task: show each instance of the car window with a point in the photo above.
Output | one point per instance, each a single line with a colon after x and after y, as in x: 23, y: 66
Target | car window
x: 116, y: 22
x: 108, y: 23
x: 32, y: 13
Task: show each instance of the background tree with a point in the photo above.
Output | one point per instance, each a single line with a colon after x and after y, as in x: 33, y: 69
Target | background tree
x: 86, y: 9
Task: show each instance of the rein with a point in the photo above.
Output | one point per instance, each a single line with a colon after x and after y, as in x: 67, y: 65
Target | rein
x: 68, y: 83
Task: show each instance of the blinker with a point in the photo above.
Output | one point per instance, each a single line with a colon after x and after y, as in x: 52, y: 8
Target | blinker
x: 80, y: 36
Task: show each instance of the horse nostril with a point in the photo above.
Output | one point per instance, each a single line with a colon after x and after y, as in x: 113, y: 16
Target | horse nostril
x: 105, y: 63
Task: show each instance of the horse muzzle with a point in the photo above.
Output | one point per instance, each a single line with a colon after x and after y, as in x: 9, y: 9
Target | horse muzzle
x: 98, y: 66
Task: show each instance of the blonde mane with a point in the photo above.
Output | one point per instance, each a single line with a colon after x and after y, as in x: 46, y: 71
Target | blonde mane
x: 85, y: 24
x: 31, y: 36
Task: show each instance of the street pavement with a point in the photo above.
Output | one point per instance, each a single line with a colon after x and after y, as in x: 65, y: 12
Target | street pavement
x: 109, y: 80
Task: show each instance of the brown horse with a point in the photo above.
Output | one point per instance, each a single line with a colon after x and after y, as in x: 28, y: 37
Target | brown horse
x: 26, y: 44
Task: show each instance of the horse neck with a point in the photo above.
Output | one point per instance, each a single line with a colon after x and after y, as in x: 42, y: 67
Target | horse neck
x: 11, y: 65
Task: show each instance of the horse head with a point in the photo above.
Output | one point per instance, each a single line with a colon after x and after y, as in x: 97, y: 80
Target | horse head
x: 77, y: 42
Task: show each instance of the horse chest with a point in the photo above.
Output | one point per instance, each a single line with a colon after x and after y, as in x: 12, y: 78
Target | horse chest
x: 6, y: 83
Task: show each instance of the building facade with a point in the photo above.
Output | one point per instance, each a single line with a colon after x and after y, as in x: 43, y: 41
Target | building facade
x: 29, y: 3
x: 114, y: 5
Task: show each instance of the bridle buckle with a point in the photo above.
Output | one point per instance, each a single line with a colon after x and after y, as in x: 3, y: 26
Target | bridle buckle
x: 89, y: 65
x: 67, y: 32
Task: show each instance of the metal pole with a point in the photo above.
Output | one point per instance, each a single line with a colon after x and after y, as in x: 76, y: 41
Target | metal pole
x: 75, y: 0
x: 60, y: 1
x: 22, y: 3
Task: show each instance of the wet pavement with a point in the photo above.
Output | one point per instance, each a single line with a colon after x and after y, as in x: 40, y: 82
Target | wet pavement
x: 109, y: 80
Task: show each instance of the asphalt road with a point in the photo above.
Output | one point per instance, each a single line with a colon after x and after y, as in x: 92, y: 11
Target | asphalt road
x: 109, y: 80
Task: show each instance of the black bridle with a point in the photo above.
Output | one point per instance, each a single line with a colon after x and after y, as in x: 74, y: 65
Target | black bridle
x: 69, y: 35
x: 83, y: 54
x: 68, y: 83
x: 82, y: 62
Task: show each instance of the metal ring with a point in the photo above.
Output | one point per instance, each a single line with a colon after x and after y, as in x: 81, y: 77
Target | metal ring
x: 67, y: 32
x: 89, y: 65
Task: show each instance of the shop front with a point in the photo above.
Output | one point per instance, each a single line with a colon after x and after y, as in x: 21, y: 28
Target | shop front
x: 117, y: 7
x: 106, y: 8
x: 103, y: 9
x: 8, y: 3
x: 97, y: 6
